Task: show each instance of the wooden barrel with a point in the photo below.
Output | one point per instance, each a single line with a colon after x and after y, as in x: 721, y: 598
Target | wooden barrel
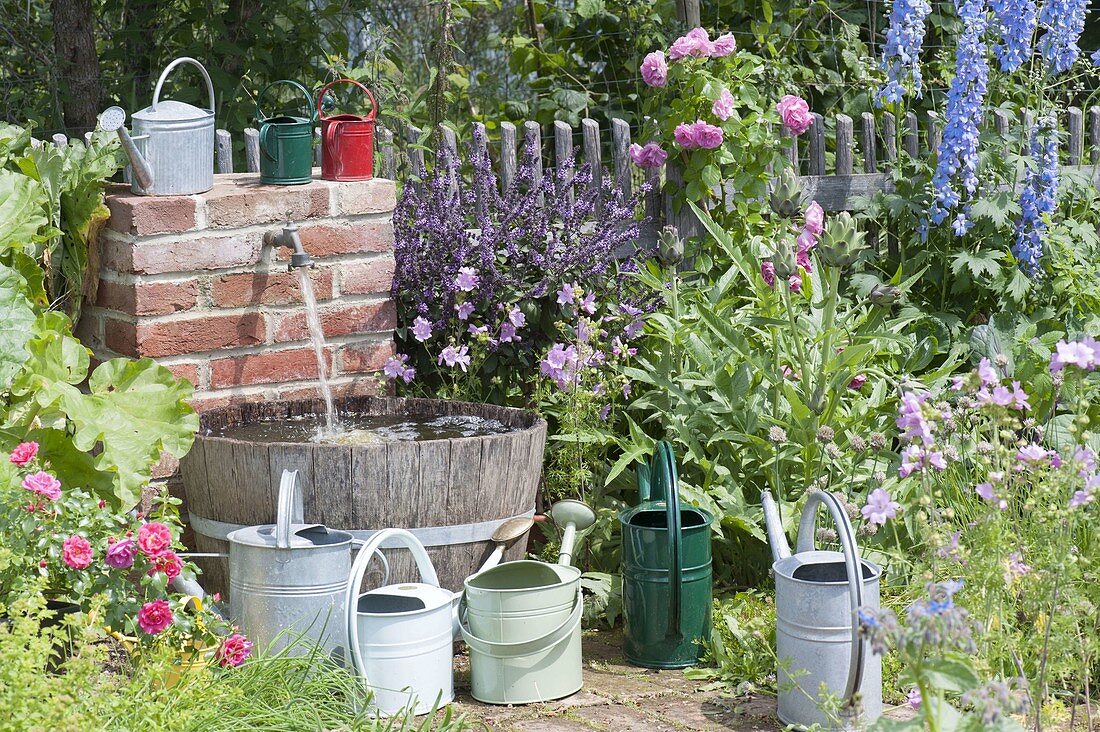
x: 450, y: 492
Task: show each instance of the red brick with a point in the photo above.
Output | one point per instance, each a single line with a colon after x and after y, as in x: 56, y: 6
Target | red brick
x: 271, y: 367
x: 245, y: 202
x: 340, y: 320
x: 183, y: 255
x: 362, y: 386
x: 377, y: 195
x: 190, y: 335
x: 144, y: 215
x: 187, y: 370
x: 268, y: 288
x: 327, y: 240
x: 148, y: 298
x: 366, y: 278
x: 362, y: 358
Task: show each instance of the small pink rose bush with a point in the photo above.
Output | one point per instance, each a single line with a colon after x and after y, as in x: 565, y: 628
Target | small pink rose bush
x: 68, y: 544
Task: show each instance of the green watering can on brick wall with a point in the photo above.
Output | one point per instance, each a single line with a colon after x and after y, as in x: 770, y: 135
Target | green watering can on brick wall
x: 286, y: 141
x: 666, y: 570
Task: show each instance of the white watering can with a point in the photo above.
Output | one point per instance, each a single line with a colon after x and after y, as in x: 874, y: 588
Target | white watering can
x: 817, y: 594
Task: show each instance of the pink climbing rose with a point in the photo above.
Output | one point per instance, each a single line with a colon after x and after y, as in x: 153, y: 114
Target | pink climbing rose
x: 723, y: 105
x: 654, y: 69
x: 43, y: 484
x: 795, y: 114
x: 695, y: 43
x: 169, y: 563
x: 698, y: 134
x: 234, y: 650
x: 154, y: 539
x: 724, y: 45
x: 648, y: 156
x: 23, y: 453
x: 120, y: 554
x: 155, y: 616
x: 815, y: 219
x: 76, y: 552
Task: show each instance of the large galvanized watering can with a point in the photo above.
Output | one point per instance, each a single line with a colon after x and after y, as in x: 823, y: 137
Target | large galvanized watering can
x: 172, y: 147
x: 400, y: 636
x: 286, y: 142
x: 817, y: 594
x: 347, y: 140
x: 666, y: 570
x: 289, y: 581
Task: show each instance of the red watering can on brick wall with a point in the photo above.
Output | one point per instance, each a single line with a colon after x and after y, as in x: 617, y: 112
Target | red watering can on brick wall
x: 347, y: 140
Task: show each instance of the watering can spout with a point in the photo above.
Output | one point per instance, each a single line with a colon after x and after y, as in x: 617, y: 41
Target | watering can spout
x: 113, y: 119
x: 776, y: 538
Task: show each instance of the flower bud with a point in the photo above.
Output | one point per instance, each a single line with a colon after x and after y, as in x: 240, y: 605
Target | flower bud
x: 883, y: 295
x: 841, y: 242
x: 670, y: 247
x: 786, y: 196
x: 783, y: 260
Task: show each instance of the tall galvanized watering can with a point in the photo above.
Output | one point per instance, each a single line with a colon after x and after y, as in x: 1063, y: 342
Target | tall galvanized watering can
x: 400, y: 636
x: 286, y: 142
x: 288, y: 581
x: 172, y: 146
x: 817, y: 594
x: 347, y: 140
x: 666, y: 570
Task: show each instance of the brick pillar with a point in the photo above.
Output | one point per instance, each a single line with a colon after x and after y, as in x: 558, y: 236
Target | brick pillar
x: 187, y: 281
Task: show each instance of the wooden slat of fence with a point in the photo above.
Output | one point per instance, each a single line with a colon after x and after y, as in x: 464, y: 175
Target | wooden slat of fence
x: 620, y: 155
x: 1075, y: 123
x: 507, y: 155
x: 935, y: 132
x: 1094, y: 134
x: 532, y: 140
x: 223, y: 143
x: 252, y: 150
x: 414, y: 152
x: 911, y: 138
x: 590, y: 139
x: 817, y: 146
x: 889, y: 138
x: 844, y: 136
x: 868, y: 143
x: 387, y: 155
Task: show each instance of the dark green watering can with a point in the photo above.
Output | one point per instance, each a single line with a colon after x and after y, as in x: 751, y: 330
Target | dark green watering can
x: 286, y: 142
x: 666, y: 570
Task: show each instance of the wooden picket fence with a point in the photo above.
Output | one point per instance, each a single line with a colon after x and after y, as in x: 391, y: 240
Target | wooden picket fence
x: 836, y: 172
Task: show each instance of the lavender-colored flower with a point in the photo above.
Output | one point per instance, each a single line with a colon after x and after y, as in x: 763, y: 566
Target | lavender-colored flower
x: 650, y: 156
x: 913, y: 698
x: 421, y: 329
x: 464, y: 310
x: 588, y: 303
x: 1039, y: 199
x: 917, y: 458
x: 567, y: 294
x: 1063, y: 20
x: 455, y: 356
x: 1074, y: 353
x: 476, y: 330
x: 1032, y: 454
x: 912, y: 420
x: 398, y: 368
x: 605, y: 412
x: 1095, y: 57
x: 986, y: 373
x: 1017, y: 20
x: 880, y: 507
x: 508, y: 333
x: 901, y: 52
x: 467, y: 279
x: 957, y: 155
x: 517, y: 318
x: 1016, y: 566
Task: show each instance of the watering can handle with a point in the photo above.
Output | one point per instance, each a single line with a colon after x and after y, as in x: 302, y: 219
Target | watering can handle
x: 666, y: 477
x: 264, y: 129
x: 289, y: 508
x: 174, y: 64
x: 326, y: 87
x: 854, y: 568
x: 309, y: 99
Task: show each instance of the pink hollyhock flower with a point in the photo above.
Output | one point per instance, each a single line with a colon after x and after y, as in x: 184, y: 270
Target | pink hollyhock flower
x: 168, y: 563
x: 795, y: 113
x: 76, y: 552
x: 120, y: 554
x: 986, y: 373
x: 767, y: 271
x: 723, y: 105
x: 452, y: 356
x: 724, y: 45
x: 654, y: 69
x: 814, y: 218
x: 23, y: 453
x: 880, y: 507
x: 155, y: 616
x: 648, y: 156
x: 698, y: 134
x: 234, y: 650
x: 154, y: 539
x: 802, y: 259
x: 43, y: 484
x: 695, y: 43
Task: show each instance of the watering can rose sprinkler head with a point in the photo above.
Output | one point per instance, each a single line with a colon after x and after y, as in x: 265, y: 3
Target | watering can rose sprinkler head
x: 288, y: 237
x: 113, y: 119
x: 573, y: 516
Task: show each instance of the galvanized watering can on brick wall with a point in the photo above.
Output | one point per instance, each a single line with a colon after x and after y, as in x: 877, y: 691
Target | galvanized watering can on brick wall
x: 817, y: 594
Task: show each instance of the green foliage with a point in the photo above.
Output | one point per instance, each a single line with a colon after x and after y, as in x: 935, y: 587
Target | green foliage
x: 741, y: 650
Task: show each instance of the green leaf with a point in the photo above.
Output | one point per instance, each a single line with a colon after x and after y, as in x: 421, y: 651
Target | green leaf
x: 16, y: 318
x: 950, y: 673
x: 22, y: 209
x: 589, y: 8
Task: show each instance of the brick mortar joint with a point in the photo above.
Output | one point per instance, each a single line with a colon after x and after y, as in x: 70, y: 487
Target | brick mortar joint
x: 337, y: 262
x: 230, y: 231
x: 375, y: 298
x: 334, y: 343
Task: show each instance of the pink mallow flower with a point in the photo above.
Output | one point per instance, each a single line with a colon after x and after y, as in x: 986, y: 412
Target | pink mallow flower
x: 455, y: 356
x: 23, y: 453
x: 397, y: 368
x: 76, y: 552
x: 155, y: 616
x: 467, y: 279
x: 916, y: 458
x: 1084, y: 354
x: 654, y: 69
x: 1031, y: 454
x: 154, y: 539
x: 795, y: 114
x: 698, y: 134
x: 120, y: 554
x: 234, y: 650
x: 43, y: 484
x: 913, y: 698
x: 648, y: 156
x: 695, y: 43
x: 421, y: 329
x: 880, y: 507
x: 723, y: 105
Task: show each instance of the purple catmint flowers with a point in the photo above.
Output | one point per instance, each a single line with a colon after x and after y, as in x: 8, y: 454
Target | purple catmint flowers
x: 901, y: 52
x: 1017, y: 20
x: 957, y: 156
x: 1039, y: 199
x: 1063, y: 21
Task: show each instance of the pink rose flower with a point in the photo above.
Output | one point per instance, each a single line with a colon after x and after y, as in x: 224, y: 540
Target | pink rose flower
x: 767, y: 271
x: 696, y: 43
x: 698, y: 134
x: 654, y: 69
x: 724, y: 45
x: 154, y: 539
x: 795, y: 113
x: 76, y: 552
x: 234, y: 650
x: 43, y: 484
x: 155, y: 616
x: 23, y: 453
x: 815, y: 219
x: 649, y: 156
x: 723, y: 105
x: 120, y: 554
x: 168, y: 563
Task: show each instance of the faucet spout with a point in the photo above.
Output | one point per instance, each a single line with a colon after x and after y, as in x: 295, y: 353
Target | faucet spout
x: 288, y: 237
